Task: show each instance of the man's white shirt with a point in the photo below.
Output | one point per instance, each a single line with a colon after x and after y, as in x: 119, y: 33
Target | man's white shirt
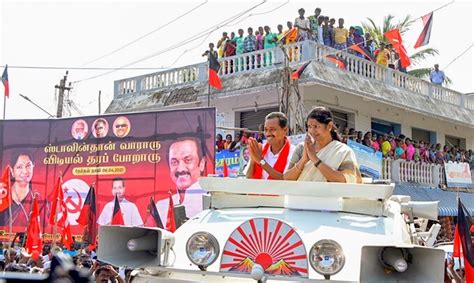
x: 192, y: 202
x: 131, y: 215
x: 271, y: 159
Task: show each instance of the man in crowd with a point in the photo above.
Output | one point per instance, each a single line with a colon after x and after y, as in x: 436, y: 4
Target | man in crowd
x: 303, y: 26
x: 382, y: 55
x: 437, y: 76
x: 187, y: 162
x: 314, y: 24
x: 221, y: 43
x: 340, y: 35
x: 271, y: 160
x: 130, y: 214
x: 250, y: 43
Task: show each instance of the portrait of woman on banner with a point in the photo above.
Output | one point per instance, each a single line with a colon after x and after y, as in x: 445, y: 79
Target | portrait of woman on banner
x: 22, y: 193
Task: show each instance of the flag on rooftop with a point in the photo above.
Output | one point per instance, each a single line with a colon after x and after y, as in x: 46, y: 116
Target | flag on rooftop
x: 214, y: 67
x: 425, y: 34
x: 6, y: 85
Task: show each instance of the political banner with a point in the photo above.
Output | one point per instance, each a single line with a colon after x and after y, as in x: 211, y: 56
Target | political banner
x: 232, y: 159
x: 370, y: 161
x: 133, y: 156
x: 458, y: 175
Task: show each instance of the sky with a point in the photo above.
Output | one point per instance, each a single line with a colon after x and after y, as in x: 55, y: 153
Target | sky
x: 74, y: 33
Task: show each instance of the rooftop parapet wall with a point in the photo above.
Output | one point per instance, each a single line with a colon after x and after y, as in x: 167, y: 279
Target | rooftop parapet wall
x: 264, y: 68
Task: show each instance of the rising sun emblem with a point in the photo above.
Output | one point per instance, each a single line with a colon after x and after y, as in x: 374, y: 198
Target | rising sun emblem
x: 273, y: 244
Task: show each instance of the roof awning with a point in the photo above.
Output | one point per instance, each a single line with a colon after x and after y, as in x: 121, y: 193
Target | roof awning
x: 448, y: 205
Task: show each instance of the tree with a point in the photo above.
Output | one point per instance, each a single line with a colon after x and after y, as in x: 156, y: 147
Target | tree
x: 403, y: 26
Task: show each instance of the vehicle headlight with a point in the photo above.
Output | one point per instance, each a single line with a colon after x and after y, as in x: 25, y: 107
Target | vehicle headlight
x: 202, y: 249
x: 326, y: 257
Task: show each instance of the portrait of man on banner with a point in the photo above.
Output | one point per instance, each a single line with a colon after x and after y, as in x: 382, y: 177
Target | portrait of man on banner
x: 186, y: 163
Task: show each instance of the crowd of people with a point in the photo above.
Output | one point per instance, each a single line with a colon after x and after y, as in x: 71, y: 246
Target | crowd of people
x: 75, y: 264
x: 391, y: 146
x: 316, y: 27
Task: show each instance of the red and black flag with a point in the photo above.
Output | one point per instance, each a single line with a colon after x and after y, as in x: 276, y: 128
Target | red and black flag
x: 340, y: 62
x: 155, y: 214
x: 464, y: 241
x: 358, y: 49
x: 88, y: 218
x: 117, y: 218
x: 297, y: 74
x: 214, y: 67
x: 5, y: 81
x: 425, y: 34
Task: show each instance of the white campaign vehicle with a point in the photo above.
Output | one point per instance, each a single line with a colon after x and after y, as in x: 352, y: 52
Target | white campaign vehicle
x: 266, y: 231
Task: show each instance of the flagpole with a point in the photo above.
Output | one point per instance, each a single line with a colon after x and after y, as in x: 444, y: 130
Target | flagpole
x: 4, y: 106
x: 11, y: 202
x: 209, y: 95
x: 55, y: 226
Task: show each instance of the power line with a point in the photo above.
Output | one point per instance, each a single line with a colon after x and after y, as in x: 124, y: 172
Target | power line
x: 437, y: 9
x: 146, y: 35
x: 459, y: 56
x: 179, y: 44
x: 84, y: 68
x: 248, y: 16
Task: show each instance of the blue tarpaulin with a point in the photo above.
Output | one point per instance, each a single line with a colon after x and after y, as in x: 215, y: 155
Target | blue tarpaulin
x: 448, y: 205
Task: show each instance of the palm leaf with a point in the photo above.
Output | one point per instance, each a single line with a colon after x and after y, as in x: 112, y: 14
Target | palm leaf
x: 404, y: 25
x: 387, y: 23
x: 422, y: 55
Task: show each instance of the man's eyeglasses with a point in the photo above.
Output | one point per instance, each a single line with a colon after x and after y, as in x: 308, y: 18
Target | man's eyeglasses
x: 121, y: 126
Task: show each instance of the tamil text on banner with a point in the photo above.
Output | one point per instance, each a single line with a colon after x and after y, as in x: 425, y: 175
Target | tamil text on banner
x: 232, y: 159
x: 458, y: 175
x: 370, y: 161
x: 132, y: 156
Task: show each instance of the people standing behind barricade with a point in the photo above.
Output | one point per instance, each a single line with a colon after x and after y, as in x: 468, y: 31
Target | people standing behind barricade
x: 228, y: 141
x: 236, y: 143
x: 327, y: 32
x: 437, y: 76
x: 220, y: 45
x: 382, y: 55
x: 269, y: 41
x: 369, y: 45
x: 280, y: 32
x: 322, y: 157
x: 250, y: 43
x: 291, y: 35
x: 340, y: 35
x: 259, y: 34
x: 229, y: 51
x: 314, y: 23
x: 239, y: 49
x: 219, y: 142
x: 302, y: 24
x: 210, y: 51
x: 270, y: 161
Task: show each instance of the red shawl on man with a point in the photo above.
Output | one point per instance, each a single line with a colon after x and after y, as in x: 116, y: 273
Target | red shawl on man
x: 280, y: 164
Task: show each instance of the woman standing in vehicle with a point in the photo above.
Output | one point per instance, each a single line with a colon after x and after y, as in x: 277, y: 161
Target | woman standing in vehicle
x: 322, y: 157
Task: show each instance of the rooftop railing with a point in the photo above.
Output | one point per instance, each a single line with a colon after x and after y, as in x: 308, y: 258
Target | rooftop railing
x: 295, y: 53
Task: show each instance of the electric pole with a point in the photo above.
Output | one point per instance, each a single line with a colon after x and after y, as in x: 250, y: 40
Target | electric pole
x: 62, y: 87
x: 100, y: 92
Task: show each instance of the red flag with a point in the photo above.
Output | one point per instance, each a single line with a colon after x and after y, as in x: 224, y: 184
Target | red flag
x: 34, y: 243
x: 297, y: 74
x: 117, y: 218
x: 6, y: 85
x: 395, y: 38
x: 225, y: 170
x: 463, y: 228
x: 456, y: 243
x: 57, y: 207
x: 337, y: 60
x: 5, y: 188
x: 170, y: 223
x: 67, y: 236
x: 357, y: 48
x: 425, y: 34
x: 88, y: 219
x: 214, y: 67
